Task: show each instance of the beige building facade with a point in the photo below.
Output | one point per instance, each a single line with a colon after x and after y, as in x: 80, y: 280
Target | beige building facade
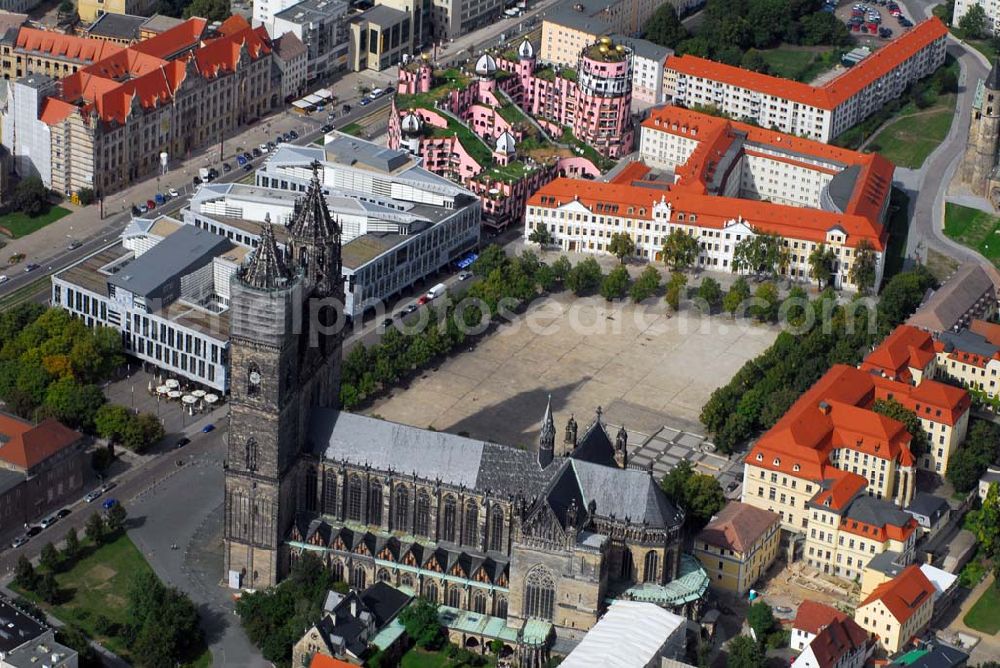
x: 898, y: 610
x: 738, y: 546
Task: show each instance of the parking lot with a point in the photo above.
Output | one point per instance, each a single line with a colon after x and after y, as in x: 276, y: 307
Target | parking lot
x: 877, y: 14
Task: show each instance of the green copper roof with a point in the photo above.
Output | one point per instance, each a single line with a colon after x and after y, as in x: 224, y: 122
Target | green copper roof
x: 690, y: 585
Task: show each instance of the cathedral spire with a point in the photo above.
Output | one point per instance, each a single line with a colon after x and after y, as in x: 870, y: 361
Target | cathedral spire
x: 314, y: 239
x: 547, y: 437
x: 266, y: 268
x: 312, y: 219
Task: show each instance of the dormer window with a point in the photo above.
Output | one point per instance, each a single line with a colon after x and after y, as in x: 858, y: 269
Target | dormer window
x: 760, y: 457
x: 796, y: 467
x: 827, y: 502
x: 777, y: 462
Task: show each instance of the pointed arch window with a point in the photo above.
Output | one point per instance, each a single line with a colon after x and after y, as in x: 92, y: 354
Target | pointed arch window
x: 355, y: 499
x: 375, y: 503
x: 455, y: 596
x: 470, y: 524
x: 312, y: 494
x: 448, y: 520
x: 539, y: 593
x: 651, y: 567
x: 401, y: 509
x: 479, y: 603
x: 330, y: 492
x: 422, y: 519
x: 496, y: 529
x: 250, y: 454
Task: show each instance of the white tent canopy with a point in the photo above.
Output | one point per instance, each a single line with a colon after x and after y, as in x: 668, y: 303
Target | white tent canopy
x: 632, y: 634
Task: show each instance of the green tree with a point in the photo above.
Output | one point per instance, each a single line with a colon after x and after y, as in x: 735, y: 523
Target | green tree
x: 213, y: 10
x: 710, y: 292
x: 24, y: 574
x: 821, y: 261
x: 540, y: 235
x: 585, y: 277
x: 973, y: 23
x: 110, y: 421
x: 674, y: 483
x: 754, y: 61
x: 95, y: 529
x: 86, y: 195
x: 703, y: 498
x: 739, y: 293
x: 621, y: 246
x: 646, y: 285
x: 968, y: 463
x: 47, y: 588
x: 66, y: 7
x: 145, y: 430
x: 864, y: 267
x: 561, y: 268
x: 490, y: 258
x: 680, y: 250
x: 919, y: 443
x: 71, y: 550
x: 675, y: 289
x: 49, y: 557
x: 902, y: 295
x: 116, y: 518
x: 72, y: 404
x: 420, y: 619
x: 743, y: 652
x: 31, y: 196
x: 665, y: 28
x: 760, y: 617
x: 988, y: 526
x: 615, y: 284
x: 767, y: 302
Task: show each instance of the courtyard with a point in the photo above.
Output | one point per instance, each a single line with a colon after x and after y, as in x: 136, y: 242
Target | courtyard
x: 647, y: 369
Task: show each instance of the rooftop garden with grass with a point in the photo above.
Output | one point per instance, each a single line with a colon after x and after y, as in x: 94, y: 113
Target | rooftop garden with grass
x: 445, y: 81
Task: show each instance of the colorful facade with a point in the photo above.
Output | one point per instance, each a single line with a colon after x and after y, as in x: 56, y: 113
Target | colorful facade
x: 738, y: 546
x: 898, y: 610
x: 515, y: 126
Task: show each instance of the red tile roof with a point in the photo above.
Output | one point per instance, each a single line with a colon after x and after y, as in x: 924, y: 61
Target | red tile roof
x: 690, y: 193
x: 141, y: 74
x: 906, y: 347
x: 834, y: 93
x: 838, y: 639
x: 323, y: 661
x: 812, y: 616
x: 988, y: 330
x: 905, y: 594
x: 68, y: 47
x: 738, y: 527
x: 26, y: 445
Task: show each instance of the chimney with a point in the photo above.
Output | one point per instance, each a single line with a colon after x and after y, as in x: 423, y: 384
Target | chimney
x: 824, y: 408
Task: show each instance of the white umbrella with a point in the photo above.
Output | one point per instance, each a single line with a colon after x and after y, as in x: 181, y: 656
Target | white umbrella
x: 188, y: 399
x: 162, y: 389
x: 211, y: 398
x: 199, y: 393
x: 174, y: 394
x: 172, y: 383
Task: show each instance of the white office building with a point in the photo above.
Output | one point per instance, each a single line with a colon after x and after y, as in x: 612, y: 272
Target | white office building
x: 321, y: 26
x: 27, y: 138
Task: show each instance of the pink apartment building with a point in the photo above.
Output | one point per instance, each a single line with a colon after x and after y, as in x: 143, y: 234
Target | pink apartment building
x: 515, y: 126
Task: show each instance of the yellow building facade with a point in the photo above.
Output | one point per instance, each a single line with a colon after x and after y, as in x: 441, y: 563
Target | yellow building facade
x: 738, y: 546
x: 898, y: 610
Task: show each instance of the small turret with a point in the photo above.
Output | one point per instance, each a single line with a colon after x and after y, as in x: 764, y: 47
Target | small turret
x: 547, y: 437
x: 621, y: 447
x: 569, y: 441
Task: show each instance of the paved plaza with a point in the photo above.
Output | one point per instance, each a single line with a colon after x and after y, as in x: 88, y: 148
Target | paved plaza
x: 645, y: 368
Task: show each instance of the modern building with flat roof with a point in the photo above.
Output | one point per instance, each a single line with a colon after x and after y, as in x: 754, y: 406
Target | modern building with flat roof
x: 321, y: 26
x: 27, y: 642
x: 165, y: 287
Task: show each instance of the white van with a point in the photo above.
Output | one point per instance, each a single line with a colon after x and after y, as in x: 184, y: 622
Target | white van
x: 436, y: 291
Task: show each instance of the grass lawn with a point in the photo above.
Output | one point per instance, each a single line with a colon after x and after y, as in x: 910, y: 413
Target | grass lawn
x: 985, y: 614
x: 351, y: 129
x: 800, y: 64
x: 419, y: 658
x: 908, y: 140
x: 19, y: 224
x: 983, y: 46
x: 973, y: 228
x: 96, y: 586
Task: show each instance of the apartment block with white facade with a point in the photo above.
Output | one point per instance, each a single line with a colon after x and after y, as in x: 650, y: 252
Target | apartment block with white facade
x: 816, y: 112
x: 165, y: 287
x: 723, y: 182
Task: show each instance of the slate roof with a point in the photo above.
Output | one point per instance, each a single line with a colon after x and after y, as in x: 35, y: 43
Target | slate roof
x: 118, y: 26
x: 624, y: 493
x: 876, y: 512
x: 936, y: 656
x: 431, y: 455
x: 928, y: 505
x: 837, y: 639
x: 595, y: 446
x: 946, y: 305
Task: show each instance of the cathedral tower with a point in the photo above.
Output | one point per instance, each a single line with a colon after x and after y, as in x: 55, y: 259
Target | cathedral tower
x: 984, y: 131
x: 264, y: 415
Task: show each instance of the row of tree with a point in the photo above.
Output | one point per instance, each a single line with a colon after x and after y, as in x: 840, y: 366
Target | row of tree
x: 733, y: 30
x: 765, y: 387
x: 52, y: 365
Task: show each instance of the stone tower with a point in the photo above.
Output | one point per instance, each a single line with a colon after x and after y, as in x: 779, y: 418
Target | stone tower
x: 569, y: 439
x: 285, y: 350
x: 984, y: 131
x: 621, y: 447
x: 547, y: 437
x: 264, y: 415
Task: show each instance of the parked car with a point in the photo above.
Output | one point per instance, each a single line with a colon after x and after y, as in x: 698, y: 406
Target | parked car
x: 376, y: 93
x: 141, y: 209
x: 465, y: 275
x: 240, y: 160
x: 108, y: 486
x: 150, y: 205
x: 248, y: 167
x: 93, y: 496
x: 4, y: 278
x: 173, y: 192
x: 257, y: 153
x: 327, y: 128
x: 161, y: 199
x: 271, y: 145
x: 423, y: 300
x: 226, y: 167
x: 76, y: 243
x: 181, y: 442
x: 19, y: 541
x: 365, y: 101
x: 293, y: 134
x: 287, y: 136
x: 196, y: 181
x: 31, y: 266
x: 386, y: 324
x: 208, y: 428
x: 33, y: 531
x: 64, y: 513
x: 346, y: 109
x: 263, y: 148
x: 279, y: 139
x: 109, y: 504
x: 48, y: 521
x: 213, y: 173
x: 410, y: 308
x: 248, y: 156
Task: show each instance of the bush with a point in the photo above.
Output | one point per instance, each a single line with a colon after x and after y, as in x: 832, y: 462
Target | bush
x: 31, y: 197
x: 86, y: 196
x: 585, y: 277
x: 646, y: 285
x: 615, y: 285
